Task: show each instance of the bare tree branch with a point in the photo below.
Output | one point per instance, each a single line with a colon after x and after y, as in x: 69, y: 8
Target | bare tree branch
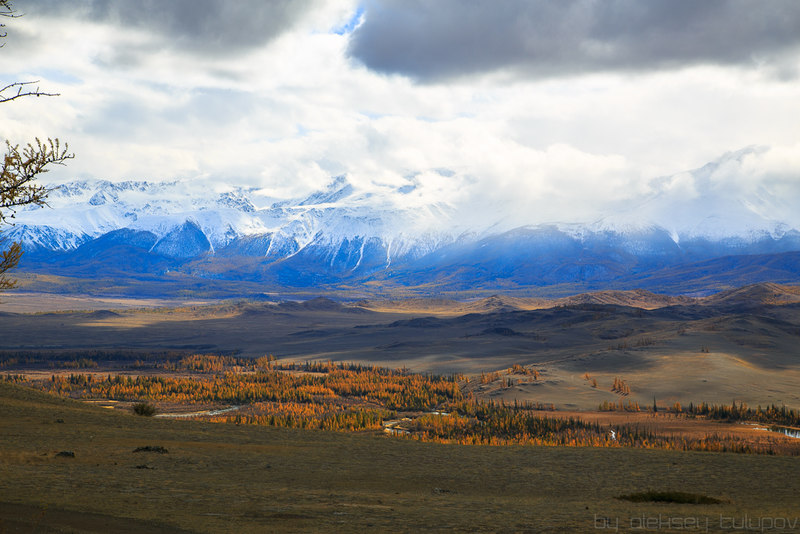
x: 6, y: 11
x: 22, y: 90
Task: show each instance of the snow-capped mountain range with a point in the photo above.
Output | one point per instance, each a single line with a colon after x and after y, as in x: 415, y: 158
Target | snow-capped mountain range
x: 81, y: 211
x: 343, y: 233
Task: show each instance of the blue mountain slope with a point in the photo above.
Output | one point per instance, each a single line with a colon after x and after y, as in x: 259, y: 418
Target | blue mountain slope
x: 185, y: 241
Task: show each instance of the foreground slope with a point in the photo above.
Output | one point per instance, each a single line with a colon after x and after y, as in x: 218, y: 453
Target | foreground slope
x: 225, y: 478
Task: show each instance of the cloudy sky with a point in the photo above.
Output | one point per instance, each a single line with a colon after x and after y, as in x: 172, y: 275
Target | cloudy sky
x: 546, y: 110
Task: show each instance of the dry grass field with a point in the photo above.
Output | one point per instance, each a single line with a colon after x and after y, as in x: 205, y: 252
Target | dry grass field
x: 228, y: 478
x: 31, y: 302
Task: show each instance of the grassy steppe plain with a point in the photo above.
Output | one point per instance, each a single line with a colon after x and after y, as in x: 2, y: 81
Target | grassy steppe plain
x: 228, y: 478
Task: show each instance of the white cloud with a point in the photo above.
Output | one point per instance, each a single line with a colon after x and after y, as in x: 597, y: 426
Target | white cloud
x: 291, y: 112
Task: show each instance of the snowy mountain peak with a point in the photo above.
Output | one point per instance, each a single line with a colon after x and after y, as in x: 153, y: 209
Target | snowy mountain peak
x: 236, y: 200
x: 697, y: 206
x: 335, y: 191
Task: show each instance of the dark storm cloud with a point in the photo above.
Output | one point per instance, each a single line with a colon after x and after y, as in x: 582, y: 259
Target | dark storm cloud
x: 205, y: 26
x: 431, y: 40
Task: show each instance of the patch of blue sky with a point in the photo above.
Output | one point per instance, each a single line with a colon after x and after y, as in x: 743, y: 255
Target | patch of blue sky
x: 351, y: 24
x: 59, y: 76
x: 302, y: 131
x: 372, y: 115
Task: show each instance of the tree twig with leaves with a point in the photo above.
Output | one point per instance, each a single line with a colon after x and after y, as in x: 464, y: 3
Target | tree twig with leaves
x: 22, y: 165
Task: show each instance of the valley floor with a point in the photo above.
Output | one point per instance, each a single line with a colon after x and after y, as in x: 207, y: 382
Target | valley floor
x: 737, y: 346
x: 214, y: 477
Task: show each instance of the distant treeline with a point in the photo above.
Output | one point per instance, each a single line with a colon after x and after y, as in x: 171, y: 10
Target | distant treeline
x: 741, y: 412
x: 503, y: 424
x: 772, y: 414
x: 85, y: 358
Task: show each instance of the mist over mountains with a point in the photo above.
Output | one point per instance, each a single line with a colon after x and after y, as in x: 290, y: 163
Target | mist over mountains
x: 692, y: 233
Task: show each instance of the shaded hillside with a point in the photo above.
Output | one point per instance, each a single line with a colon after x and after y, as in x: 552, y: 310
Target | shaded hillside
x: 711, y: 276
x: 525, y: 262
x: 766, y: 294
x: 638, y: 298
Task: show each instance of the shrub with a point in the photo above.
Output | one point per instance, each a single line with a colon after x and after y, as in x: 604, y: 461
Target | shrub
x: 151, y: 448
x: 144, y: 408
x: 678, y: 497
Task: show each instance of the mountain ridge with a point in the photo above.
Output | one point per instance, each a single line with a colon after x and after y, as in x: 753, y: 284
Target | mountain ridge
x: 346, y: 235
